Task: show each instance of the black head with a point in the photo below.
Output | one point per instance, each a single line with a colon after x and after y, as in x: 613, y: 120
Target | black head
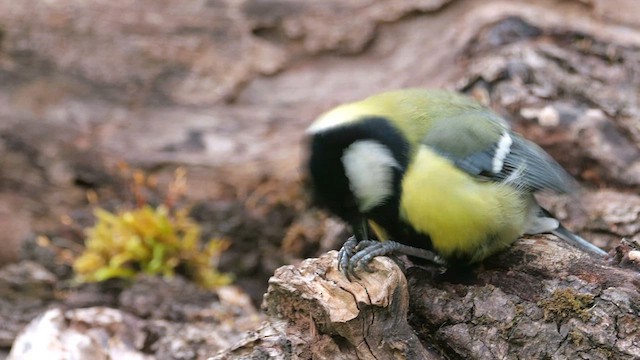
x: 356, y: 168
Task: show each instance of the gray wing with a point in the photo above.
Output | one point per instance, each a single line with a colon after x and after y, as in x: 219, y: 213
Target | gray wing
x: 525, y: 166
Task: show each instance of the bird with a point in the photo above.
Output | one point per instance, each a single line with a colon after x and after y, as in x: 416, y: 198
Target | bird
x: 432, y: 174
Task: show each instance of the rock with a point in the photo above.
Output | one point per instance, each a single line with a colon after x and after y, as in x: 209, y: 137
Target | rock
x: 25, y: 289
x: 195, y: 329
x: 91, y: 333
x: 549, y: 116
x: 157, y: 318
x: 171, y: 299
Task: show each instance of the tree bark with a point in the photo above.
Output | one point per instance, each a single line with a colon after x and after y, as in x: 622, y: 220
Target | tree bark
x: 541, y: 299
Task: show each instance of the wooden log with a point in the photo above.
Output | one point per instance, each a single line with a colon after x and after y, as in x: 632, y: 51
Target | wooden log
x: 539, y: 299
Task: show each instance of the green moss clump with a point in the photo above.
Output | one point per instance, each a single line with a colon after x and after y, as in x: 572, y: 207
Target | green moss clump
x: 148, y: 240
x: 565, y: 304
x: 577, y: 338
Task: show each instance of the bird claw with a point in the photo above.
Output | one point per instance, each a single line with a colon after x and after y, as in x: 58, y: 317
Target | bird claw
x: 366, y: 253
x: 360, y: 258
x: 354, y: 255
x: 344, y: 256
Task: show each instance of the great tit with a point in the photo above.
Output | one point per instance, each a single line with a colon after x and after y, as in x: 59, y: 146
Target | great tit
x: 435, y: 174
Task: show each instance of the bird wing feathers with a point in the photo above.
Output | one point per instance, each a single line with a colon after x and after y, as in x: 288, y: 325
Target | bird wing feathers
x: 525, y: 166
x: 498, y: 154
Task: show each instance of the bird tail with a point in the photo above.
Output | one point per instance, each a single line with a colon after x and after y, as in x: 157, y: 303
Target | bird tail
x: 545, y: 222
x: 575, y: 240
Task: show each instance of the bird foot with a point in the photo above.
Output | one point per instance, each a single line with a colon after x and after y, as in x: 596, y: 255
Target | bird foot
x: 355, y: 255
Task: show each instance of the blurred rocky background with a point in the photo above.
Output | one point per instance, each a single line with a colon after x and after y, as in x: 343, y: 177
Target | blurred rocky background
x: 90, y: 91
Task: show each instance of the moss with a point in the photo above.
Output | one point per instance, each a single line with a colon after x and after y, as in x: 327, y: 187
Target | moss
x: 576, y: 338
x: 519, y: 313
x: 483, y: 320
x: 565, y: 304
x: 156, y: 240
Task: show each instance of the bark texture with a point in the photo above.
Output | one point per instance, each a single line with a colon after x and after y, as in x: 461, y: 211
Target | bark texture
x: 539, y: 300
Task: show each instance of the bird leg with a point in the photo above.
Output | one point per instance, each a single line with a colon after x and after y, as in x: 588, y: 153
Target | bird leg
x: 354, y: 255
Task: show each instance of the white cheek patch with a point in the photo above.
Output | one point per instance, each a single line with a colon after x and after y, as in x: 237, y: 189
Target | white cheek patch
x: 504, y: 147
x: 369, y: 167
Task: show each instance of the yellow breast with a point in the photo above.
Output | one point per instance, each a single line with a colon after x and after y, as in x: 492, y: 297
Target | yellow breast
x: 464, y: 217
